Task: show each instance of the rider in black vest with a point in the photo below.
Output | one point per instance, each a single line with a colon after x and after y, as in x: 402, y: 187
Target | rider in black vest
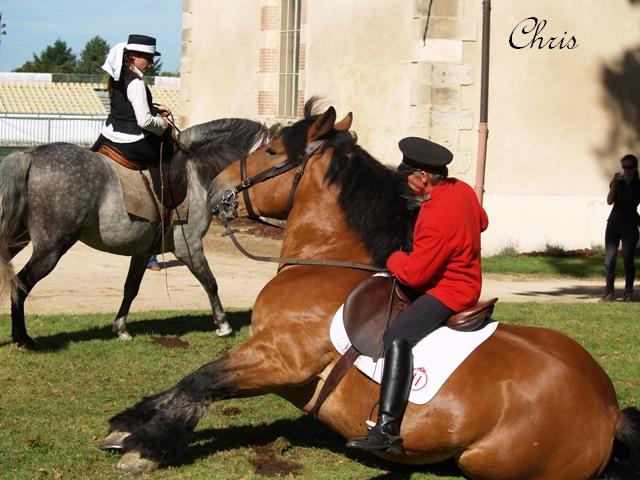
x: 135, y: 127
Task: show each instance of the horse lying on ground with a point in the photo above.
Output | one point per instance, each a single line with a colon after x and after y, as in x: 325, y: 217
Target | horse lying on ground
x: 54, y: 195
x: 529, y: 403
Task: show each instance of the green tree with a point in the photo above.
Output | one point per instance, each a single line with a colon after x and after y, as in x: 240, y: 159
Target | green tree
x: 155, y: 70
x: 56, y: 58
x: 92, y: 56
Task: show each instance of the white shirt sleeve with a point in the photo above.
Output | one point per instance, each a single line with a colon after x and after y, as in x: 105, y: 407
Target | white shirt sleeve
x: 137, y: 95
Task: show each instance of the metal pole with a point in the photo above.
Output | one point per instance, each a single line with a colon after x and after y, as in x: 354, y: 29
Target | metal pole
x: 483, y: 128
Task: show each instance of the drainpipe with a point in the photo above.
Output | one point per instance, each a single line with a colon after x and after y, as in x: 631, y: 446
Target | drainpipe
x: 483, y: 130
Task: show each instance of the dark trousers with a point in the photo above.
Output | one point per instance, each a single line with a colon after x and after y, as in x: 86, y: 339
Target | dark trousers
x: 628, y: 235
x: 419, y: 319
x: 144, y: 152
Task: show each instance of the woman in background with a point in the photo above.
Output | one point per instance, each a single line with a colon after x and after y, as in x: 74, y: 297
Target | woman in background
x: 622, y: 226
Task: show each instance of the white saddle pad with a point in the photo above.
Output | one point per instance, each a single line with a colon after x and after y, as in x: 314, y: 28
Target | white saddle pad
x: 435, y: 357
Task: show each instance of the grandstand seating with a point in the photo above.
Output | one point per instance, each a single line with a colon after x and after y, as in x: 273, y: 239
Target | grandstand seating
x: 56, y: 98
x: 169, y: 96
x: 68, y: 98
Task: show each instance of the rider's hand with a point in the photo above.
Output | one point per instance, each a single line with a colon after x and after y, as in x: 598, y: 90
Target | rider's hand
x: 164, y: 111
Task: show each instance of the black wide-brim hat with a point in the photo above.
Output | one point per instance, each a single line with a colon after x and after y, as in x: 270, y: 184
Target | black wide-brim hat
x: 142, y: 44
x: 422, y: 154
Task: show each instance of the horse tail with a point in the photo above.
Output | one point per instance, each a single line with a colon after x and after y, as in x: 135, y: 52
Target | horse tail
x: 14, y: 172
x: 625, y: 458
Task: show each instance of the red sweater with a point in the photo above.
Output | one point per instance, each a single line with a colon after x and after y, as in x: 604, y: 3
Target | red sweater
x: 445, y: 261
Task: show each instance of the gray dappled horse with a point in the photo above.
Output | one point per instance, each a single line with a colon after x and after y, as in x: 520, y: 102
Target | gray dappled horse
x: 54, y: 195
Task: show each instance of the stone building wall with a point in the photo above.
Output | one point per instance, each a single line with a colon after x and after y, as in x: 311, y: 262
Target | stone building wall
x: 559, y: 117
x: 439, y: 74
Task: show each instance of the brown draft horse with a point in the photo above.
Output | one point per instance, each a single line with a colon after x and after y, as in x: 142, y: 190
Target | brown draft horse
x: 529, y: 403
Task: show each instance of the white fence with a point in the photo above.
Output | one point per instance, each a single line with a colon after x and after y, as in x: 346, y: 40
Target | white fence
x: 17, y: 129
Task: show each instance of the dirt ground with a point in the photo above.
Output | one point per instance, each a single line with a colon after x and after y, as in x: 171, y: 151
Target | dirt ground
x: 87, y: 280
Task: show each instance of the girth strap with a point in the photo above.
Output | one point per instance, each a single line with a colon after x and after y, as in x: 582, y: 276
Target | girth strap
x: 337, y: 373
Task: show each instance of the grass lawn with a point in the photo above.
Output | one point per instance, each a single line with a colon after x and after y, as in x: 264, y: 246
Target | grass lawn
x: 579, y: 267
x: 55, y: 403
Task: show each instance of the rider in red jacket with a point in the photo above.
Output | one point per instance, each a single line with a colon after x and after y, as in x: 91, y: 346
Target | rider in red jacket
x: 445, y: 261
x: 444, y: 265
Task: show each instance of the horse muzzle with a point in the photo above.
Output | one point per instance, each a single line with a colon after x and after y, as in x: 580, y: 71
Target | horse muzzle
x: 227, y: 208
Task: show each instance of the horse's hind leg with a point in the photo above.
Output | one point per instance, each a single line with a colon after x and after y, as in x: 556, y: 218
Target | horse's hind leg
x: 13, y: 251
x: 39, y: 266
x: 137, y: 267
x: 193, y: 257
x: 17, y: 245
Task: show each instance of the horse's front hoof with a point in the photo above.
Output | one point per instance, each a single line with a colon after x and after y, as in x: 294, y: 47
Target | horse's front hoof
x: 114, y: 441
x: 119, y: 327
x: 125, y: 336
x: 132, y: 462
x: 224, y: 330
x: 27, y: 344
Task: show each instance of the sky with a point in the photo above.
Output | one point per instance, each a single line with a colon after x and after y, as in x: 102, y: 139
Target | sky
x: 32, y: 25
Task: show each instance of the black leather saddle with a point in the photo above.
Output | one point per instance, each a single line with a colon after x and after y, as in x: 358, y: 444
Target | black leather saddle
x: 377, y: 301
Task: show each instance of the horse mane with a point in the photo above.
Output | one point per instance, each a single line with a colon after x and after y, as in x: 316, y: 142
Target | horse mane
x: 216, y: 144
x: 373, y: 197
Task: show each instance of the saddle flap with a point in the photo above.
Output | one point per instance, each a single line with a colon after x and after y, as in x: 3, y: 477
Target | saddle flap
x: 472, y: 318
x: 168, y: 177
x: 368, y: 310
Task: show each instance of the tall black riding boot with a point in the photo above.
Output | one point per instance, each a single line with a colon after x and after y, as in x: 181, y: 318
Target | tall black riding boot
x: 394, y: 393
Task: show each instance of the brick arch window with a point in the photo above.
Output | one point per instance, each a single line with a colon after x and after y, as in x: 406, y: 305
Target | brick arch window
x: 289, y: 58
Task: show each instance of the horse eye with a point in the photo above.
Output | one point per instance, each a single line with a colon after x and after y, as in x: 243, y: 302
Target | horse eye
x: 270, y: 151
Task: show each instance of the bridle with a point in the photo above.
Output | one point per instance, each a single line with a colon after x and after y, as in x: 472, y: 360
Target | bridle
x: 283, y: 167
x: 229, y: 203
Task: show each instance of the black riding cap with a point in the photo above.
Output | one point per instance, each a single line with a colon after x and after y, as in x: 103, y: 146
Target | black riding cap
x: 421, y: 154
x: 142, y: 44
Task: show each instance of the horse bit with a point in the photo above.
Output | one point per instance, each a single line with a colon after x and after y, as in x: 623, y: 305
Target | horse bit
x: 226, y: 209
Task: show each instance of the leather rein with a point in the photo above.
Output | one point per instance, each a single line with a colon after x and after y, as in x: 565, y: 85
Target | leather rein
x: 230, y: 202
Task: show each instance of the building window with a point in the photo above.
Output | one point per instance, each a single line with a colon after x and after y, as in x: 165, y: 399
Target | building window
x: 289, y: 54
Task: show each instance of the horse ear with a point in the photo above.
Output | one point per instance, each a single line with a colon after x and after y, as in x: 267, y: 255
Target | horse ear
x: 323, y: 125
x: 345, y: 124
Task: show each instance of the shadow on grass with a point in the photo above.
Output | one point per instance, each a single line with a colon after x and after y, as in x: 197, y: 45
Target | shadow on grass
x: 573, y: 267
x: 306, y: 432
x: 576, y: 267
x: 584, y: 292
x: 576, y: 292
x: 179, y: 325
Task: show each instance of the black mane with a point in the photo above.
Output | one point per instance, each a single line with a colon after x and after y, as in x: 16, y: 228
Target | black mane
x: 373, y: 196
